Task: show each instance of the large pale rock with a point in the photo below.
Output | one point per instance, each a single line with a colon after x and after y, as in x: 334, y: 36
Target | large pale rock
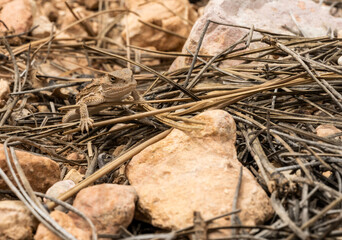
x: 17, y: 15
x: 41, y: 172
x: 166, y: 17
x: 196, y: 171
x: 67, y: 223
x: 313, y: 19
x: 108, y: 206
x: 16, y: 221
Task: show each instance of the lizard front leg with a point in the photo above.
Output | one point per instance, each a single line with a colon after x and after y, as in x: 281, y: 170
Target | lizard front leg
x: 86, y: 122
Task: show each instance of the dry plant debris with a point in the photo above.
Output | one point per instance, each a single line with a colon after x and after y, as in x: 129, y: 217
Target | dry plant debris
x: 279, y: 95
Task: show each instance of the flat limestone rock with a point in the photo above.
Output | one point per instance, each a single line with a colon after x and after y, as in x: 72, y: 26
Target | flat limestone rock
x: 196, y: 171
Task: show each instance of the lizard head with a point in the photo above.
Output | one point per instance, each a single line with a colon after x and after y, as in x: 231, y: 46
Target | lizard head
x: 122, y: 78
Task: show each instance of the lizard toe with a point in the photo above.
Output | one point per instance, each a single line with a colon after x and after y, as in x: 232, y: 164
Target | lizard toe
x: 85, y: 124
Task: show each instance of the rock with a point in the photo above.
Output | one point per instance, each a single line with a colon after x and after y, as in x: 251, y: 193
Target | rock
x: 47, y: 68
x: 156, y: 13
x: 50, y: 11
x: 45, y: 27
x: 43, y: 109
x: 90, y: 4
x: 16, y: 221
x: 74, y: 176
x: 75, y: 156
x: 17, y: 15
x: 4, y: 92
x: 326, y: 130
x: 41, y: 172
x: 67, y: 223
x: 263, y: 14
x: 134, y: 4
x: 196, y: 171
x: 3, y: 2
x: 339, y: 61
x: 58, y: 189
x: 69, y: 61
x: 108, y: 206
x: 18, y: 115
x: 66, y: 18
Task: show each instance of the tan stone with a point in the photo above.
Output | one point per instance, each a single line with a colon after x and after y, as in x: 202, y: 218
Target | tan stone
x: 196, y: 171
x: 45, y: 27
x: 17, y: 115
x: 67, y: 223
x: 43, y: 108
x: 66, y: 18
x: 49, y: 69
x: 325, y: 130
x: 50, y: 11
x: 16, y: 221
x: 4, y: 91
x: 108, y: 206
x: 134, y: 4
x: 41, y: 172
x: 58, y: 189
x: 90, y: 4
x: 17, y: 15
x: 75, y: 156
x: 74, y: 176
x: 3, y: 2
x: 68, y: 62
x: 156, y: 13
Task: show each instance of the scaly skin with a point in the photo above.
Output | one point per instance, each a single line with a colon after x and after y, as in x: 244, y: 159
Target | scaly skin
x: 110, y: 88
x: 113, y: 88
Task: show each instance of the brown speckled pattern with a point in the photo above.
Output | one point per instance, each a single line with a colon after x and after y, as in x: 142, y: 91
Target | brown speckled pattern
x: 110, y: 88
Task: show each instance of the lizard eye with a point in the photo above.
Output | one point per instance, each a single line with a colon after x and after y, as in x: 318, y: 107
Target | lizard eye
x: 112, y: 79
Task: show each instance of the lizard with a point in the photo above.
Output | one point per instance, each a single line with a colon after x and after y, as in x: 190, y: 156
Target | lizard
x: 113, y: 87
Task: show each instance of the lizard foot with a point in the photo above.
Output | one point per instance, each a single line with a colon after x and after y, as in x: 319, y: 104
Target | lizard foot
x: 86, y: 123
